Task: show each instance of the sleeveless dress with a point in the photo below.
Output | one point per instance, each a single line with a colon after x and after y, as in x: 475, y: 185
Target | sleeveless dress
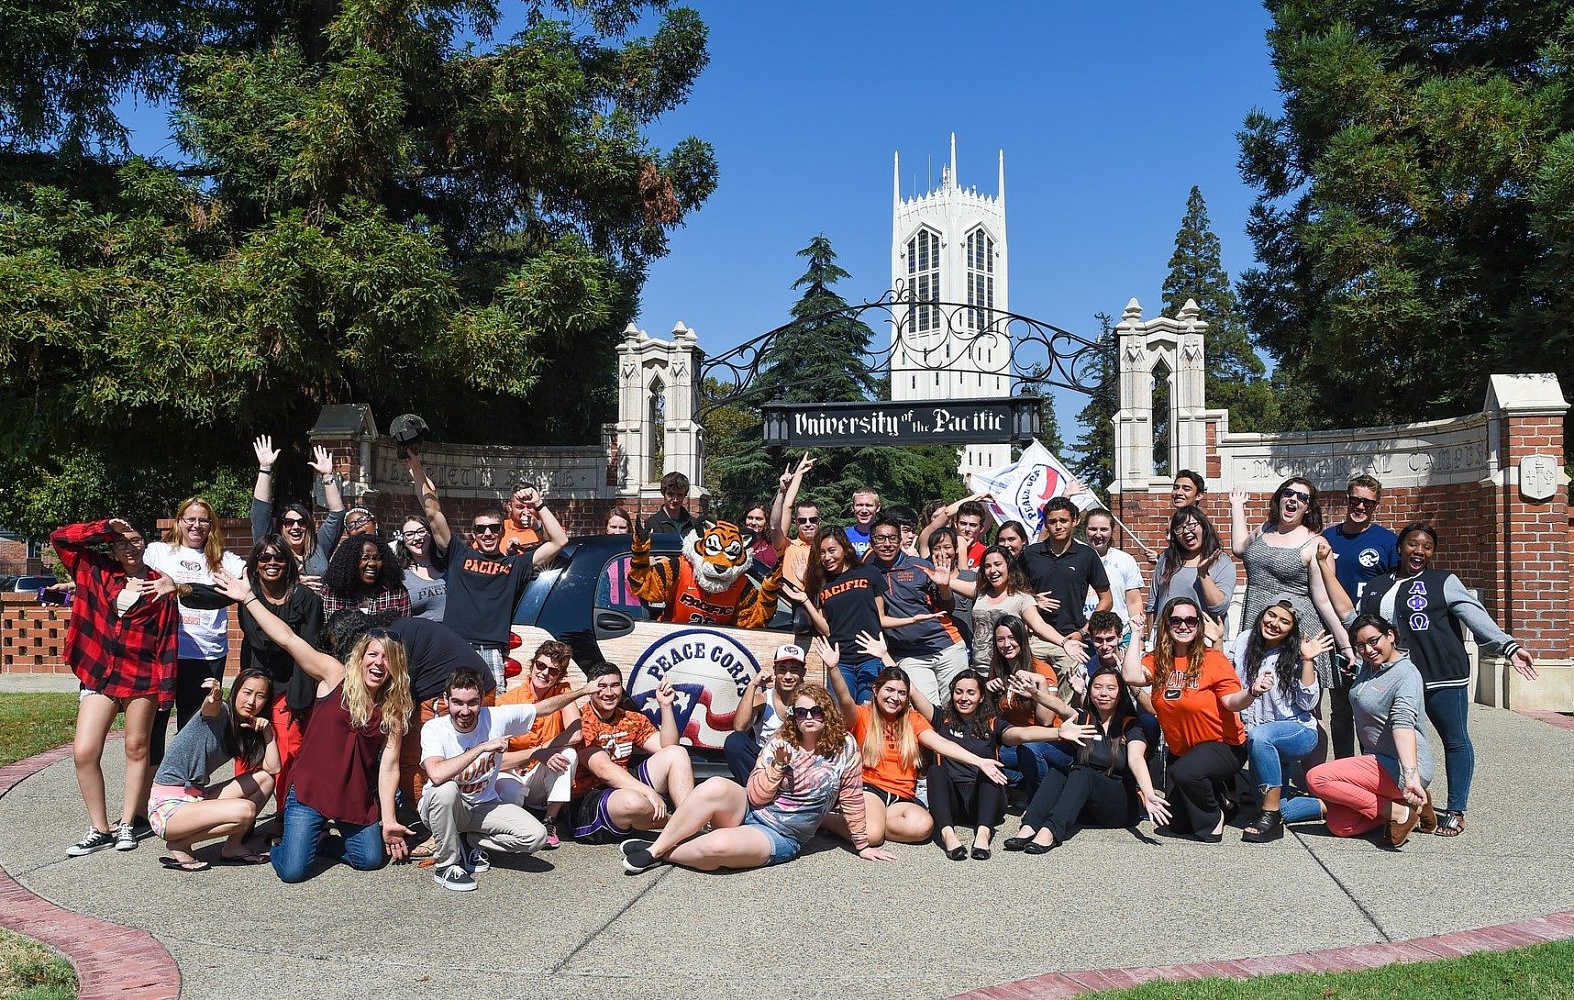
x: 1275, y: 574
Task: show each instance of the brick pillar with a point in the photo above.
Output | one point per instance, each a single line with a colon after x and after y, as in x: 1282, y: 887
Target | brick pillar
x: 1531, y: 589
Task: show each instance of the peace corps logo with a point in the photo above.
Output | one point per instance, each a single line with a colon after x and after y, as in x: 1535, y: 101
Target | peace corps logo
x: 1369, y: 558
x: 710, y: 671
x: 1035, y: 489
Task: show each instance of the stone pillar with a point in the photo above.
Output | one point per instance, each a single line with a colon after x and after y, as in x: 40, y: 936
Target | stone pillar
x: 1188, y: 391
x: 1178, y: 342
x: 1530, y: 598
x: 650, y: 370
x: 1134, y: 413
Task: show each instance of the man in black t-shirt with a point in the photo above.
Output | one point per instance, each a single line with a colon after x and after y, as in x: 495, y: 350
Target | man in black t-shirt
x: 1062, y: 569
x: 673, y: 516
x: 484, y: 585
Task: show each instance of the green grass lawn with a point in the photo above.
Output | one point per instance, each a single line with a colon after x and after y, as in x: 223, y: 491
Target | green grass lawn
x: 34, y: 722
x: 29, y: 971
x: 1542, y: 972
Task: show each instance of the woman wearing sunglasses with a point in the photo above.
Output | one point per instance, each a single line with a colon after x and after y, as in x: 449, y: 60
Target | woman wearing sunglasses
x: 310, y: 545
x: 809, y: 767
x: 347, y: 772
x: 1279, y: 558
x: 1197, y: 698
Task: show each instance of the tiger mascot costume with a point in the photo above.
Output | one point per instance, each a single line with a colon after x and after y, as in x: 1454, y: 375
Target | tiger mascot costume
x: 706, y: 584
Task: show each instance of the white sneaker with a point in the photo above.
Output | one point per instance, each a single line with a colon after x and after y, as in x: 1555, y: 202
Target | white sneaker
x: 454, y: 877
x: 125, y: 837
x: 93, y: 840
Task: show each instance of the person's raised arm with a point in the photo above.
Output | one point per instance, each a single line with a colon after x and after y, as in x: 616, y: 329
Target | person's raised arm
x: 1325, y: 606
x: 934, y: 742
x: 442, y: 534
x: 551, y: 530
x: 1325, y: 563
x: 322, y: 465
x: 1216, y: 583
x: 213, y: 701
x: 1131, y: 669
x: 324, y: 668
x: 262, y: 492
x: 1240, y: 535
x: 558, y: 702
x: 765, y: 781
x: 831, y: 657
x: 666, y: 697
x: 787, y: 498
x: 753, y: 700
x: 271, y: 761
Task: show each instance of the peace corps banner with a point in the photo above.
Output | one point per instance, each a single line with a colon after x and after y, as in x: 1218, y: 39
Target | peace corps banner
x: 1021, y: 489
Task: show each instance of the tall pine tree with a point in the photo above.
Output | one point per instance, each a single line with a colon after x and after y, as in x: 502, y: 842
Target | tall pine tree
x: 1095, y: 448
x: 1235, y: 374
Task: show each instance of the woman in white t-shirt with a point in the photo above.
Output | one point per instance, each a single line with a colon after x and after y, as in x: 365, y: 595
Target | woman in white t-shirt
x: 192, y: 549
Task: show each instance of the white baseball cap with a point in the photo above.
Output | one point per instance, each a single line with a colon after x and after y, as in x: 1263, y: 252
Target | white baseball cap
x: 790, y: 653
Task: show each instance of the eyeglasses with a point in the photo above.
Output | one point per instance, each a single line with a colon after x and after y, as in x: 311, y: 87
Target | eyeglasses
x: 487, y: 529
x: 1184, y: 621
x: 1372, y: 643
x: 382, y: 634
x: 546, y: 667
x: 293, y: 522
x: 196, y: 522
x: 804, y: 714
x: 1365, y: 502
x: 271, y: 557
x: 358, y: 522
x: 416, y: 533
x: 808, y: 520
x: 1304, y: 498
x: 885, y: 538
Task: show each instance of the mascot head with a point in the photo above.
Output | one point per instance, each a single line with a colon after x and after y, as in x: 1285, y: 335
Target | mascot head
x: 720, y: 552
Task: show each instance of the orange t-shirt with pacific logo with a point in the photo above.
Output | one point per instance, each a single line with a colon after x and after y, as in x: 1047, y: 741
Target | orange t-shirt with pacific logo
x: 625, y: 733
x: 1192, y: 715
x: 889, y: 775
x: 546, y: 728
x: 1021, y: 713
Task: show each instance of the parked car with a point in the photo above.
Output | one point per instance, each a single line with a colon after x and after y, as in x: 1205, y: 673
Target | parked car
x: 27, y: 584
x: 583, y: 599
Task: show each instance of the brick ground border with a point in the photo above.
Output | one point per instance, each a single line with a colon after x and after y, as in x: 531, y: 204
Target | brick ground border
x: 110, y: 960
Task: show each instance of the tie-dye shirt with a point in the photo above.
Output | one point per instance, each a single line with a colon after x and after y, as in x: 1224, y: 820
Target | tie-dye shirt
x: 812, y: 785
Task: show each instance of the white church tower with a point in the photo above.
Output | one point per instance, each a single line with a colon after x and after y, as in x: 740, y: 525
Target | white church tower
x: 949, y: 245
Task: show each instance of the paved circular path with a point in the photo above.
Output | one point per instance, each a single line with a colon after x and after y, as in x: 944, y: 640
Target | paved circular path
x: 570, y: 921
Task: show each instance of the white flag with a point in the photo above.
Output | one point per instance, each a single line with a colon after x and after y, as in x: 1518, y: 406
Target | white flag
x: 1021, y: 489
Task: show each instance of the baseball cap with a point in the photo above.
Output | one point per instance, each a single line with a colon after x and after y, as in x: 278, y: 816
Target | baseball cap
x: 790, y: 653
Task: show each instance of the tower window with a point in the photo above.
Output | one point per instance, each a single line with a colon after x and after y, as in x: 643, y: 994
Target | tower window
x: 923, y: 279
x: 980, y: 279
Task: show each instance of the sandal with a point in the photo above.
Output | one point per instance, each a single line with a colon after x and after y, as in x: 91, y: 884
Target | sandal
x: 1428, y: 816
x: 177, y: 865
x: 1450, y: 823
x: 1266, y: 827
x: 243, y: 859
x: 423, y: 850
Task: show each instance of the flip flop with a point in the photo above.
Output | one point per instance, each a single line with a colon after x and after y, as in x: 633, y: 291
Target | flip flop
x: 177, y: 865
x: 426, y: 849
x: 243, y: 859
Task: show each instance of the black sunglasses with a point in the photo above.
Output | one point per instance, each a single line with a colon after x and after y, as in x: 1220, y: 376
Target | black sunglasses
x: 1304, y: 498
x: 802, y: 714
x: 271, y: 557
x: 1360, y: 502
x: 488, y: 529
x: 382, y: 633
x: 293, y: 522
x: 1184, y: 621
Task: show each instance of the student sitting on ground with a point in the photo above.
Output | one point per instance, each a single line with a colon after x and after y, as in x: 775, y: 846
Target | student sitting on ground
x: 763, y: 710
x: 611, y: 801
x: 184, y: 809
x: 539, y: 767
x: 809, y: 766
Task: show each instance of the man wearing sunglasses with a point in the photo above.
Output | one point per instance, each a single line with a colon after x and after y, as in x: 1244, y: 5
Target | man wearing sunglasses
x: 1363, y: 551
x: 484, y: 583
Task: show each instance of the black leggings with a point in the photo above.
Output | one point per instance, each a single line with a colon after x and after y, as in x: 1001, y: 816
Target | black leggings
x: 189, y: 677
x: 975, y: 803
x: 1068, y: 800
x: 1200, y: 778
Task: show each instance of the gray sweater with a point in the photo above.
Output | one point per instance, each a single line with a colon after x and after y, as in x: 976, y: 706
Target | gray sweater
x: 1387, y: 699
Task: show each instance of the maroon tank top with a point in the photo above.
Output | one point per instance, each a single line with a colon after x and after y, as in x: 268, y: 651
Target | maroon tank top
x: 336, y: 770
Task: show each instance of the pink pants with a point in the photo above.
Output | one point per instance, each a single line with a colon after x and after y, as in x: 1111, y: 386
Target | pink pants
x: 1354, y: 791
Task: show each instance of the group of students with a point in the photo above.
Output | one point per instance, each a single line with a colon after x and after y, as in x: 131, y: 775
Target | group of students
x: 956, y: 672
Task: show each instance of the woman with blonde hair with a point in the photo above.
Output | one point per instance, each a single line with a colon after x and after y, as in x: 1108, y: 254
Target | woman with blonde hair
x: 809, y: 766
x: 347, y: 772
x: 191, y: 552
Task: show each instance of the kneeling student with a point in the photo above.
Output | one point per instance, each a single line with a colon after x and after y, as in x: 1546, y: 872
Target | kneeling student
x: 460, y: 753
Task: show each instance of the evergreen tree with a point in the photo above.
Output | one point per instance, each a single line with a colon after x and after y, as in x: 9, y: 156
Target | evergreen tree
x: 1234, y: 372
x: 1095, y: 448
x: 371, y: 203
x: 1413, y: 217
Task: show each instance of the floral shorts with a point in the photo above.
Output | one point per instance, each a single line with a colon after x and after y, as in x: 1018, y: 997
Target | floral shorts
x: 165, y: 799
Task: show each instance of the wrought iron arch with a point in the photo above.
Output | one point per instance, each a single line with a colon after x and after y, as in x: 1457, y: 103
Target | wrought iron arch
x: 1036, y: 354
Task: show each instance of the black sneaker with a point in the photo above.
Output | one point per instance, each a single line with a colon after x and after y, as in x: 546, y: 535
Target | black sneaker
x: 125, y: 837
x: 454, y: 877
x: 637, y: 858
x: 93, y: 840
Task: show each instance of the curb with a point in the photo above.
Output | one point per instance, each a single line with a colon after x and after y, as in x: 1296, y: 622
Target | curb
x: 110, y: 960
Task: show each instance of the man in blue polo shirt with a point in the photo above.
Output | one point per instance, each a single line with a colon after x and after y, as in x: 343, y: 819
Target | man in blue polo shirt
x: 1363, y: 551
x: 928, y: 646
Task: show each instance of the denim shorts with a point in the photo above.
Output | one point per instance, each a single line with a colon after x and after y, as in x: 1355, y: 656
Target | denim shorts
x: 783, y: 849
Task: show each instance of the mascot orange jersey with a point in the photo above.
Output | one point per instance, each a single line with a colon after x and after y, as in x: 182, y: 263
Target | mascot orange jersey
x: 706, y: 584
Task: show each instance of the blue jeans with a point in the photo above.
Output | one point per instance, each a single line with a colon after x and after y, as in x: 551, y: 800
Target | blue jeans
x: 1028, y: 764
x: 1449, y: 710
x: 860, y: 678
x: 742, y: 752
x: 303, y: 827
x: 1269, y: 745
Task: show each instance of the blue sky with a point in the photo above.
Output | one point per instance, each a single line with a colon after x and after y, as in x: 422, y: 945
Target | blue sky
x: 1108, y: 113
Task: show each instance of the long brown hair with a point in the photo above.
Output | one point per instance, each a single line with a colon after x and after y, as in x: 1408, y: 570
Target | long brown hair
x: 213, y: 549
x: 902, y: 727
x: 1164, y: 647
x: 834, y: 739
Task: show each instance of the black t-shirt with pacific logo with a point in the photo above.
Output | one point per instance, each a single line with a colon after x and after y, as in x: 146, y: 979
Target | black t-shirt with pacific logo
x: 848, y: 605
x: 483, y: 591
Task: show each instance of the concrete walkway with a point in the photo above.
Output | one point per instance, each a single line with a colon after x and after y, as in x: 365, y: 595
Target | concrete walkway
x: 570, y: 922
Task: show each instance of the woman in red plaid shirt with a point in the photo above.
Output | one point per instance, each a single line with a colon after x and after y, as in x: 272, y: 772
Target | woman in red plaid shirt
x: 121, y: 644
x: 364, y: 574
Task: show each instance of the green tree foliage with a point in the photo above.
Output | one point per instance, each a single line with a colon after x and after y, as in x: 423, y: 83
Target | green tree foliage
x: 1415, y: 210
x: 1234, y: 372
x: 371, y: 202
x: 821, y: 357
x: 1095, y: 448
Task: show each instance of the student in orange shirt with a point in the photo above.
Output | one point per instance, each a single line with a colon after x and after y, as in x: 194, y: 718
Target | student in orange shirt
x: 538, y: 767
x: 1197, y: 697
x: 890, y: 730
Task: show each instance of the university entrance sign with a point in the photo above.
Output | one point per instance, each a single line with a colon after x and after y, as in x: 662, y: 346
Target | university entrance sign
x: 962, y: 421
